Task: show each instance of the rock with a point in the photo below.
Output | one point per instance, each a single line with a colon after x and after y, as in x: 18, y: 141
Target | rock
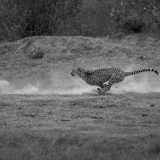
x: 144, y: 115
x: 152, y: 105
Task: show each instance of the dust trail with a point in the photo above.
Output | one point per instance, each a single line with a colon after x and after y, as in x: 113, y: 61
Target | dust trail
x: 60, y: 83
x: 145, y: 82
x: 28, y: 89
x: 4, y: 87
x: 63, y: 83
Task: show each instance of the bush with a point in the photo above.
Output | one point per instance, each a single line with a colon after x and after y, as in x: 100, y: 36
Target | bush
x: 9, y: 24
x: 132, y: 25
x: 48, y: 17
x: 136, y: 15
x: 37, y: 17
x: 26, y: 18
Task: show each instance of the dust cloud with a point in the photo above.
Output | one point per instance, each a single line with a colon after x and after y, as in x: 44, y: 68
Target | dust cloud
x: 63, y: 84
x: 60, y: 84
x: 138, y: 84
x: 145, y: 82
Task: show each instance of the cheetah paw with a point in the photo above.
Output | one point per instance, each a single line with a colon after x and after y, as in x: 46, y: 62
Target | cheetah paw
x: 101, y: 91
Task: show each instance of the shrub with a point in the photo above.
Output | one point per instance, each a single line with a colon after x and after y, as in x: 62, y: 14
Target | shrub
x: 9, y: 24
x: 132, y: 25
x: 26, y: 18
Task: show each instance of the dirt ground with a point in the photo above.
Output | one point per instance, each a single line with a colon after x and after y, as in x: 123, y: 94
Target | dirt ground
x: 45, y: 114
x: 130, y: 123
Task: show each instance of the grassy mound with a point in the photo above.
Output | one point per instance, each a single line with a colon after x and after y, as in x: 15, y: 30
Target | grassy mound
x: 41, y: 59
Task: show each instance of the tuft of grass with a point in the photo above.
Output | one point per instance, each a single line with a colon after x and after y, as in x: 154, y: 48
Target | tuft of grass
x: 155, y: 149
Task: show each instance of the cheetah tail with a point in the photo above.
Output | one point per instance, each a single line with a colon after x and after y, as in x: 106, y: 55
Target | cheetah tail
x: 142, y: 70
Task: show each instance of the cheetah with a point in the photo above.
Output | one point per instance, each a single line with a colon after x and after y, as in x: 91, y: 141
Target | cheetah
x: 100, y: 76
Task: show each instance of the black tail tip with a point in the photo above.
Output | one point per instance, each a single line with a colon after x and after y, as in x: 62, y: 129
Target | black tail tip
x: 156, y: 72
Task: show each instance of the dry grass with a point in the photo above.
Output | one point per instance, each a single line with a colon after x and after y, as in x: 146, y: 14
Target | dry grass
x: 88, y: 126
x: 24, y: 146
x: 27, y: 146
x: 80, y: 127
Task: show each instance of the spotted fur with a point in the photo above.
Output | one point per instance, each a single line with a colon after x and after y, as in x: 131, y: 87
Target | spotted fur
x: 113, y: 75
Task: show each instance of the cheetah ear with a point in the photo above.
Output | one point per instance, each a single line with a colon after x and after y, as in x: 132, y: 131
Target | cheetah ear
x: 88, y: 72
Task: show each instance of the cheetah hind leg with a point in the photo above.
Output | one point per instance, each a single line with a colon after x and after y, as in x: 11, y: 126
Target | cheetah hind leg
x: 104, y: 90
x: 100, y: 90
x: 113, y: 80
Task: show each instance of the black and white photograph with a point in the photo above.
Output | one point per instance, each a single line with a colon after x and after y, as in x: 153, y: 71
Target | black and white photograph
x: 79, y: 80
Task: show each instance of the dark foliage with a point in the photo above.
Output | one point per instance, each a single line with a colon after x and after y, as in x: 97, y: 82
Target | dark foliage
x: 25, y: 18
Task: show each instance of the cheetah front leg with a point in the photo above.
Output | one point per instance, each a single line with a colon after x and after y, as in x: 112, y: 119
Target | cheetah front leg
x: 105, y: 89
x: 101, y: 89
x: 108, y: 86
x: 102, y: 86
x: 112, y: 80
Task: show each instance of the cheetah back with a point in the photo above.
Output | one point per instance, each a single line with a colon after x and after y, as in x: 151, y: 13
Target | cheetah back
x: 103, y: 75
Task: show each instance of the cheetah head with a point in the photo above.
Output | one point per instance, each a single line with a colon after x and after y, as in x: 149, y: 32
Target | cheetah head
x: 73, y: 72
x: 79, y: 71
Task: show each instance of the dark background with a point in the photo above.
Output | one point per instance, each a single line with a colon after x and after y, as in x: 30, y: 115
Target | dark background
x: 95, y: 18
